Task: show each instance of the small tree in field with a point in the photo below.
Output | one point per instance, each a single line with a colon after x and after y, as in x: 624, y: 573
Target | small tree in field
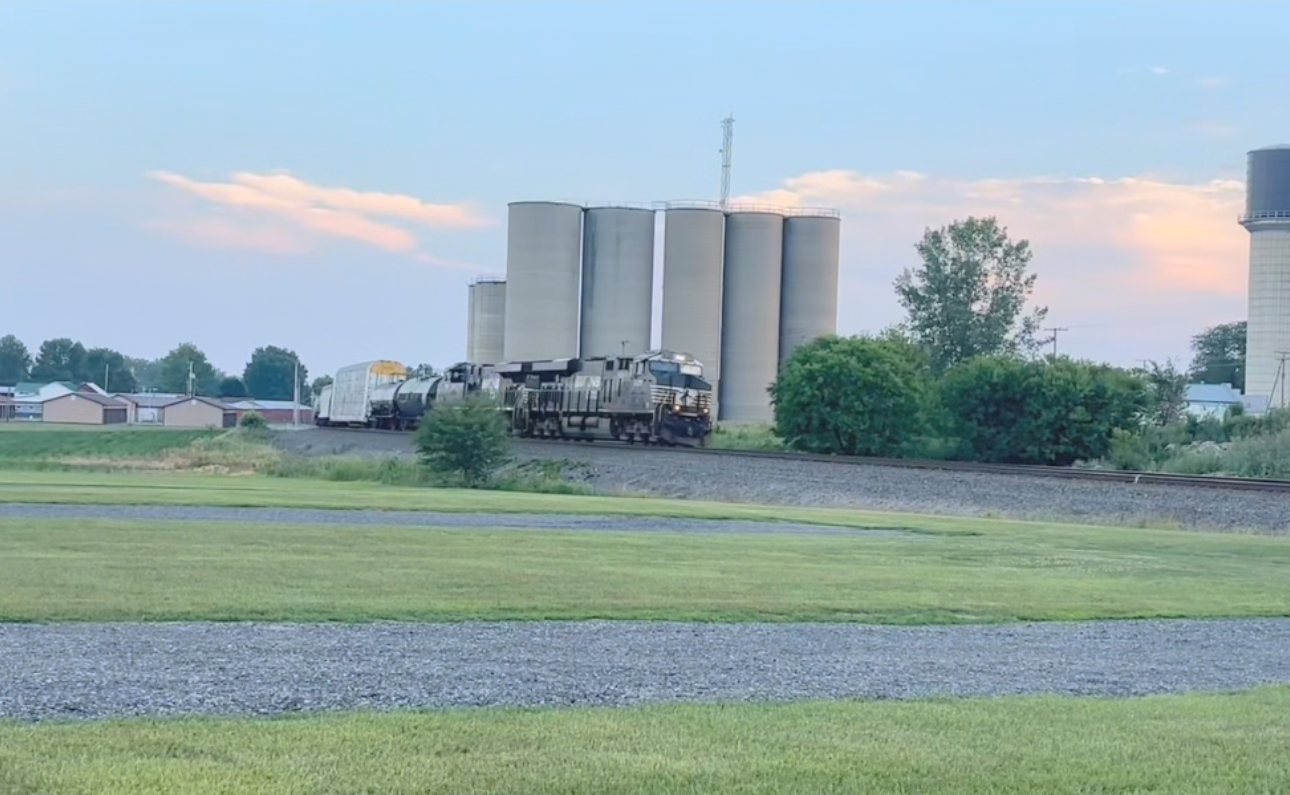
x: 466, y: 440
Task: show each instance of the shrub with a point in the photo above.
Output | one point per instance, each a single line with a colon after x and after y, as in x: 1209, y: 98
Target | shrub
x: 253, y: 420
x: 851, y: 396
x: 467, y: 440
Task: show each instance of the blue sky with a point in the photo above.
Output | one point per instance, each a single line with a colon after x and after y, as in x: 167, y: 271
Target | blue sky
x: 328, y: 176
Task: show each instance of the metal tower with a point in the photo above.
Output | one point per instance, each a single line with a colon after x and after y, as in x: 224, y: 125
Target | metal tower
x: 727, y: 141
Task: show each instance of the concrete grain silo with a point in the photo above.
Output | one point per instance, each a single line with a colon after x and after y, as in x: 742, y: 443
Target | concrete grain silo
x: 471, y: 309
x: 693, y: 239
x: 490, y: 321
x: 1267, y: 218
x: 809, y: 281
x: 543, y: 268
x: 617, y: 281
x: 750, y: 303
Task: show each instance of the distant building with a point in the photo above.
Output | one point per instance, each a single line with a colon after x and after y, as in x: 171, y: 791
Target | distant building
x: 1212, y: 400
x: 84, y: 408
x: 145, y: 407
x: 6, y: 408
x: 197, y: 412
x: 275, y: 412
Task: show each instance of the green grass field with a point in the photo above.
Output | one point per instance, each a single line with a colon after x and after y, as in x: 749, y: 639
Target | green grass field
x: 1183, y: 745
x: 24, y: 444
x: 936, y: 571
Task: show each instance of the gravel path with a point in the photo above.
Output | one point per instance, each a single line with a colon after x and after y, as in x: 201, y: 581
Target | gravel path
x: 91, y: 671
x: 361, y: 517
x: 663, y: 472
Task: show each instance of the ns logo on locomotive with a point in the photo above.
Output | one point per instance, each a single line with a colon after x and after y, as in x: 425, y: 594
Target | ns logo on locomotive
x: 658, y: 397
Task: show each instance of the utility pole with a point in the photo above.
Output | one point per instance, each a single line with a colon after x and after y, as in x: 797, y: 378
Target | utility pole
x: 1054, y: 330
x: 1281, y: 374
x: 295, y: 395
x: 727, y: 143
x: 191, y: 378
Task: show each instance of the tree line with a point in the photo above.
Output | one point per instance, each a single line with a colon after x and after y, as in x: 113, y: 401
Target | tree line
x: 965, y: 374
x: 267, y: 375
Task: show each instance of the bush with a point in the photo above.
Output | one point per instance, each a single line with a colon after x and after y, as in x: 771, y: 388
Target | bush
x: 253, y: 420
x: 467, y: 440
x: 1011, y: 410
x: 852, y: 396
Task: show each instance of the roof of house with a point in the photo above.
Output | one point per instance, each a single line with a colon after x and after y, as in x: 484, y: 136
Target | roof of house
x: 1212, y: 393
x: 93, y: 397
x: 275, y: 405
x: 150, y: 399
x: 207, y: 400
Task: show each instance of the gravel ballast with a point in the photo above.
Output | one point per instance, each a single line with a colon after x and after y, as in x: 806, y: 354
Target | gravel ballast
x: 96, y: 670
x: 369, y: 517
x: 611, y: 469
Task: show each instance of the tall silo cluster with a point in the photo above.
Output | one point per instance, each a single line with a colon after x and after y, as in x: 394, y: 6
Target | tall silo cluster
x: 743, y: 286
x: 1267, y: 218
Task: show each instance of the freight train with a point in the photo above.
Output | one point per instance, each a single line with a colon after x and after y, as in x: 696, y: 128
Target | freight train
x: 658, y: 397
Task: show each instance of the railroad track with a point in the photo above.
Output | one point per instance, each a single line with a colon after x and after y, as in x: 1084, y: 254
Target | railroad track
x: 1024, y: 470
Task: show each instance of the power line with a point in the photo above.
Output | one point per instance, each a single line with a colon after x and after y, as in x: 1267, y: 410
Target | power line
x: 1054, y: 330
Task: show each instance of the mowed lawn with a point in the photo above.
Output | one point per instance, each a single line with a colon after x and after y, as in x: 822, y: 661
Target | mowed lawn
x: 1184, y: 745
x: 931, y: 570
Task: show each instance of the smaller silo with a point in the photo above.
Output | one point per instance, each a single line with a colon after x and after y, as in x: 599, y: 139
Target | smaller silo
x: 1267, y: 219
x: 617, y: 280
x: 490, y: 321
x: 750, y: 299
x: 809, y: 281
x: 470, y: 323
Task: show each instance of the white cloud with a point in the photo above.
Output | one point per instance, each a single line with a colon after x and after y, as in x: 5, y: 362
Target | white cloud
x: 280, y: 213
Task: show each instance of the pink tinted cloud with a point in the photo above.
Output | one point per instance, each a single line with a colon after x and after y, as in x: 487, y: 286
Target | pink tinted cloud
x: 298, y: 207
x: 1096, y: 237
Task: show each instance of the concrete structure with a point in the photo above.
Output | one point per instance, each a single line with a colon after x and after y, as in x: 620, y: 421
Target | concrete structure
x: 198, y: 412
x: 84, y: 408
x: 543, y: 268
x: 472, y: 308
x: 693, y: 242
x: 490, y: 322
x: 1267, y: 218
x: 750, y: 304
x: 617, y: 281
x: 808, y: 306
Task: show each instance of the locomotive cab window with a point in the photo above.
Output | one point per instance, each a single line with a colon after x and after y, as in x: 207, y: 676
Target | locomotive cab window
x: 669, y: 374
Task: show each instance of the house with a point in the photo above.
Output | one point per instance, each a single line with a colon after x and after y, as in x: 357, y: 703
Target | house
x: 84, y: 408
x: 1212, y: 400
x: 197, y: 412
x: 145, y: 407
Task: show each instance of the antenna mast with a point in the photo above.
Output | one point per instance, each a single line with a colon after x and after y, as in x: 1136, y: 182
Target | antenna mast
x: 727, y: 141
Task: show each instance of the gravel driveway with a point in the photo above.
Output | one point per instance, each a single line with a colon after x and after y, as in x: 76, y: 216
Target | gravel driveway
x: 92, y: 671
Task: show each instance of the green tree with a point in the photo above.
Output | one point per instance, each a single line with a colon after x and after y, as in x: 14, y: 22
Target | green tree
x: 175, y: 369
x: 15, y: 360
x: 852, y: 396
x: 466, y: 440
x: 147, y: 372
x: 59, y: 359
x: 317, y: 387
x: 423, y: 371
x: 232, y: 387
x: 268, y: 376
x: 120, y: 378
x: 1009, y: 410
x: 1166, y: 392
x: 1220, y: 355
x: 967, y: 298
